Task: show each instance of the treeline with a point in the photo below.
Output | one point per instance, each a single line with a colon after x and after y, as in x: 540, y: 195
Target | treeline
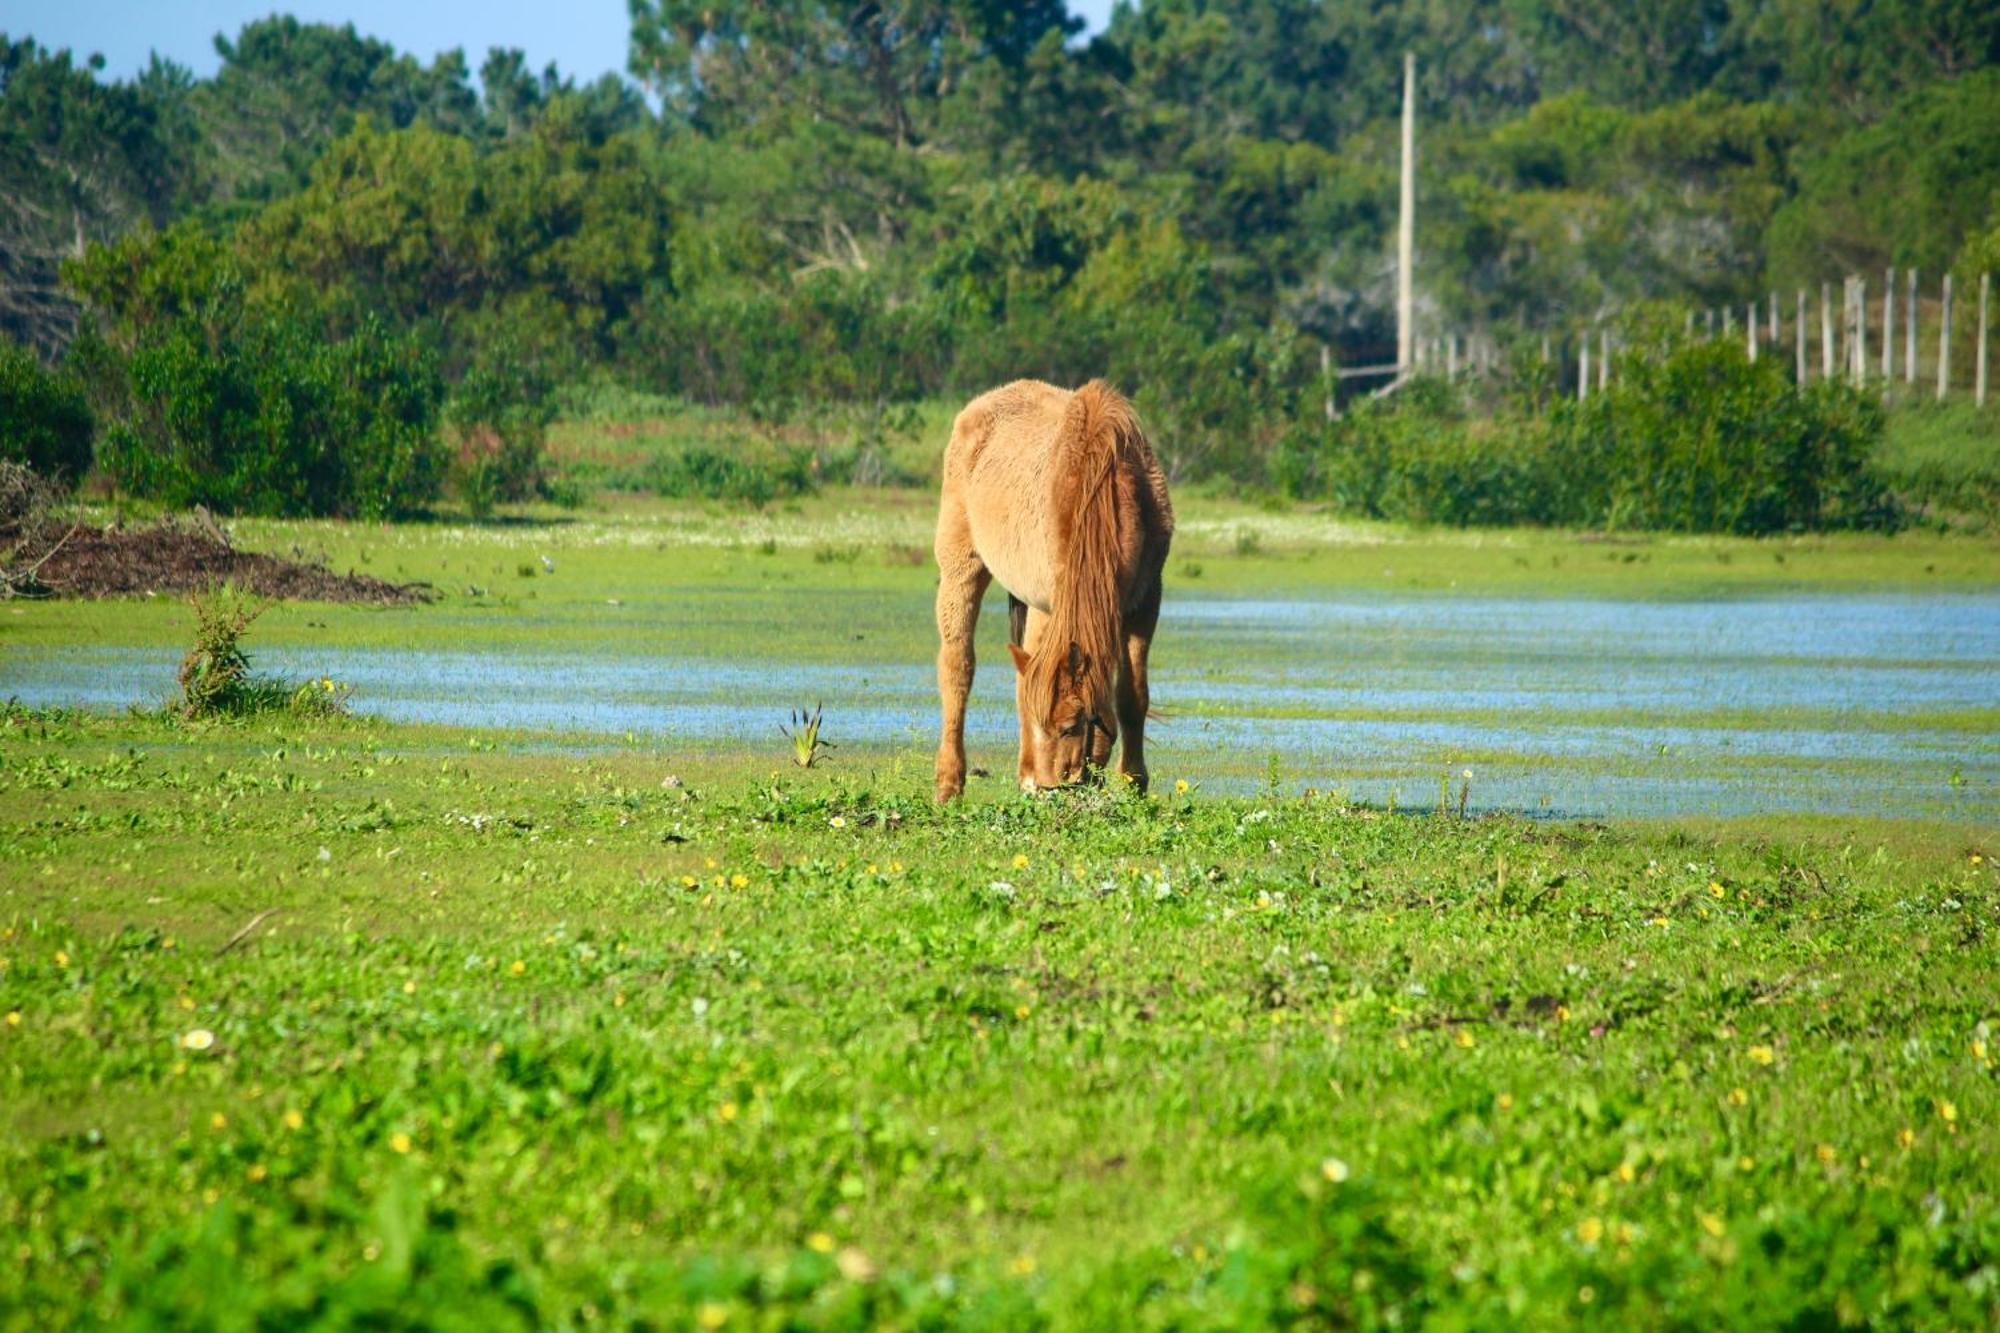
x: 335, y: 279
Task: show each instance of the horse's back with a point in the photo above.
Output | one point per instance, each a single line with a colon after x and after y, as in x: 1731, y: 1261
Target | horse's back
x: 1000, y: 469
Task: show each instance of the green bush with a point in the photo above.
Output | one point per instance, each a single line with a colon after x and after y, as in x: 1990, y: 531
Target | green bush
x: 1706, y: 440
x: 1690, y: 438
x: 45, y: 422
x: 700, y: 473
x: 1943, y: 459
x: 265, y: 415
x: 500, y: 412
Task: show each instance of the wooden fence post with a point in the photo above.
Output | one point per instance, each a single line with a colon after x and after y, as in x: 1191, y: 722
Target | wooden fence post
x: 1750, y: 331
x: 1826, y: 330
x: 1860, y: 329
x: 1583, y: 368
x: 1944, y: 341
x: 1889, y: 326
x: 1910, y: 324
x: 1979, y: 376
x: 1799, y: 331
x: 1773, y: 330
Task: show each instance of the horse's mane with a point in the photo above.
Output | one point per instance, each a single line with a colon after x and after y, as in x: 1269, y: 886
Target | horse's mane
x: 1099, y: 430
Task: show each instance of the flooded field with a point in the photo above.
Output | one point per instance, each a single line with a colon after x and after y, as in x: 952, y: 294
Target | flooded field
x: 1838, y: 703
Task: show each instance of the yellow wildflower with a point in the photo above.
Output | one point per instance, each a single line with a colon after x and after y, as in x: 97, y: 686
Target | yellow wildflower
x: 517, y: 967
x: 1627, y: 1173
x: 1947, y: 1110
x: 689, y: 881
x: 727, y: 1111
x: 1465, y: 1039
x: 1505, y: 1101
x: 1715, y: 889
x: 1181, y: 786
x: 1746, y: 1164
x: 1710, y: 1223
x: 13, y: 1018
x: 1738, y: 1097
x: 218, y: 1121
x: 256, y: 1172
x: 400, y: 1141
x: 62, y: 958
x: 1906, y: 1136
x: 1762, y: 1055
x: 1590, y: 1231
x: 1022, y: 1266
x: 197, y: 1039
x: 712, y: 1314
x: 1334, y: 1170
x: 820, y: 1243
x: 1826, y: 1154
x: 293, y: 1120
x: 1022, y: 1011
x: 1020, y: 860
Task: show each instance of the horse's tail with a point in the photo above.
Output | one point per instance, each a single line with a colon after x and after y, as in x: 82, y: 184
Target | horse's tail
x: 1099, y: 433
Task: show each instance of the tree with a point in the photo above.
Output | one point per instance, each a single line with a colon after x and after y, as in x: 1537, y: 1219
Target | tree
x: 80, y: 162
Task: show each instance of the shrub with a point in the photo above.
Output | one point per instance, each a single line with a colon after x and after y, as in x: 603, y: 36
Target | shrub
x: 267, y: 416
x: 45, y: 422
x: 700, y: 473
x: 500, y: 413
x: 1697, y: 438
x: 215, y: 677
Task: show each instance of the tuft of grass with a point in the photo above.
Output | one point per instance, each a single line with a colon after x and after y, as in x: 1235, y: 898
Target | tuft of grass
x: 808, y: 748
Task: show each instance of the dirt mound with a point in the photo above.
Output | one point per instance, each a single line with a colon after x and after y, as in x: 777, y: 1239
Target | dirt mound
x: 175, y: 556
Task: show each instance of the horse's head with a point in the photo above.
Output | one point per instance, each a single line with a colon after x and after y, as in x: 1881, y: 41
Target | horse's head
x: 1067, y: 724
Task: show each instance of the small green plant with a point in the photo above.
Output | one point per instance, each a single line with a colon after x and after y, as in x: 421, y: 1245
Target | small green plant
x: 215, y: 675
x: 807, y: 747
x: 1248, y: 542
x: 322, y: 696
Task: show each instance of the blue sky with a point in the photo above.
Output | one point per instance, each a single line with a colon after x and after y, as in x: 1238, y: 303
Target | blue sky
x: 584, y: 37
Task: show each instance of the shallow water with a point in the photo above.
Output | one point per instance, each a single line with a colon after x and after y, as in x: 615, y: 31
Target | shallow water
x: 1572, y: 707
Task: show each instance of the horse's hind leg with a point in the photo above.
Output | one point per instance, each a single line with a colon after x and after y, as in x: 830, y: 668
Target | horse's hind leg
x: 1133, y: 695
x: 962, y: 580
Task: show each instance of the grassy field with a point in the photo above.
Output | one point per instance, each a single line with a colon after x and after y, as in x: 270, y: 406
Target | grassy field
x: 334, y: 1020
x: 329, y: 1020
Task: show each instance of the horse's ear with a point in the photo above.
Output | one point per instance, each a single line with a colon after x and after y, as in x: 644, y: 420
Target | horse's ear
x: 1020, y: 656
x: 1079, y: 660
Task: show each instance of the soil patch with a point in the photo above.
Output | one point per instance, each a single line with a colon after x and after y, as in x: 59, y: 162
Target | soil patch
x: 176, y: 556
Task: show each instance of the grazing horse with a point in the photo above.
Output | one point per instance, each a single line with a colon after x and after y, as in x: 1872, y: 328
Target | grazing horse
x: 1058, y: 496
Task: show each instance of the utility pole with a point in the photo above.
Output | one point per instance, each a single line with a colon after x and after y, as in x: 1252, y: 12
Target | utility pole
x: 1406, y: 230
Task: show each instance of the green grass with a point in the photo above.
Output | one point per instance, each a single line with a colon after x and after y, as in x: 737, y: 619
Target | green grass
x: 526, y: 1037
x: 1943, y: 459
x: 797, y: 579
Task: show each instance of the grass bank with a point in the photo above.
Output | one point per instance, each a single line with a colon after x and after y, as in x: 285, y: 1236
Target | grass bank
x: 337, y: 1020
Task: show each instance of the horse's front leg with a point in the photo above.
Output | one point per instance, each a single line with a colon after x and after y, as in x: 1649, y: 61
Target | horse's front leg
x: 961, y: 584
x: 1134, y: 695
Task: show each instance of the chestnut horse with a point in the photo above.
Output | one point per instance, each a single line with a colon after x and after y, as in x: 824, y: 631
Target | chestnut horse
x: 1058, y: 496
